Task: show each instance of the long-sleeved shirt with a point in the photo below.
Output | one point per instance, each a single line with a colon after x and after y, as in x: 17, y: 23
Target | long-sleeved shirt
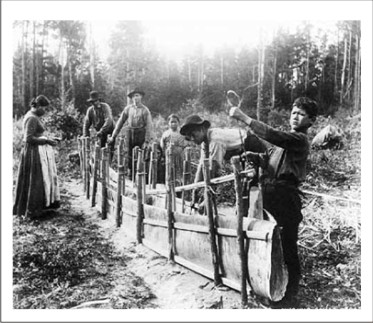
x: 222, y: 140
x: 33, y: 129
x: 288, y: 153
x: 101, y: 118
x: 138, y: 117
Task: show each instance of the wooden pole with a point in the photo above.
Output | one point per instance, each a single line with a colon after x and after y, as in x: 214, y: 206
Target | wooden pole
x: 84, y: 163
x: 155, y: 168
x: 186, y: 177
x: 119, y: 196
x: 144, y: 176
x: 134, y: 162
x: 81, y: 161
x: 240, y: 233
x: 211, y: 222
x: 140, y: 198
x: 170, y: 209
x: 104, y: 202
x: 150, y: 173
x: 88, y: 166
x: 120, y: 153
x: 95, y: 174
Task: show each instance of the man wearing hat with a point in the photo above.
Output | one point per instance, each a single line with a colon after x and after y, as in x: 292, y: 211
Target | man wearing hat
x: 100, y: 116
x: 139, y: 129
x: 222, y: 143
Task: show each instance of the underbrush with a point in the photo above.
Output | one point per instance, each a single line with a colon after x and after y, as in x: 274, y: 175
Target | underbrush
x: 61, y: 261
x: 330, y: 254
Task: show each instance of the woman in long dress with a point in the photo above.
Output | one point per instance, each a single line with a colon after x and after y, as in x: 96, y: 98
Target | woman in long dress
x: 37, y: 182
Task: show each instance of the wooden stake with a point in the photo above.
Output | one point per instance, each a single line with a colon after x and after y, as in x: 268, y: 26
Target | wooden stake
x: 144, y: 176
x: 186, y: 177
x: 95, y: 174
x: 120, y: 154
x: 83, y: 164
x: 104, y: 201
x: 134, y: 162
x: 170, y: 209
x: 119, y: 196
x: 140, y: 200
x: 124, y: 177
x: 208, y: 206
x: 150, y: 174
x: 155, y: 168
x: 87, y: 166
x: 81, y: 161
x: 240, y: 233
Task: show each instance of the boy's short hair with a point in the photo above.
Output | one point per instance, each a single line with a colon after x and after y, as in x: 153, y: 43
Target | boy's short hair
x: 173, y: 116
x: 308, y: 105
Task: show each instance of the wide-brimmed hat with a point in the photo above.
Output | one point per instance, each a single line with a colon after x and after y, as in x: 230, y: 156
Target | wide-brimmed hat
x: 192, y: 121
x: 138, y: 91
x: 93, y: 96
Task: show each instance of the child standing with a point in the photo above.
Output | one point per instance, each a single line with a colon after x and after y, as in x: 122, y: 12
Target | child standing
x: 286, y: 170
x: 172, y: 138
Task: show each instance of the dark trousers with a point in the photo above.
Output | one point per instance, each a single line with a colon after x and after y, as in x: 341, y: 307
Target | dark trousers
x: 284, y: 204
x: 134, y: 137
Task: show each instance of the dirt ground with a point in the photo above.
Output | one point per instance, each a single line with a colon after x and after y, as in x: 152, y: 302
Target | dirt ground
x: 170, y: 285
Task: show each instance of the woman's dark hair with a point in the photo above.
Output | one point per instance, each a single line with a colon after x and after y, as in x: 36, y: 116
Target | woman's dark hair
x: 40, y: 100
x: 308, y: 105
x: 173, y: 116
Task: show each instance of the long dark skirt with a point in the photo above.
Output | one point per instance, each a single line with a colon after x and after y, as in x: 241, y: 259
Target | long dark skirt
x: 31, y: 187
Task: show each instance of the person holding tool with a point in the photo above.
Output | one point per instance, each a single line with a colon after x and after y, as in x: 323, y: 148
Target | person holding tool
x: 288, y: 152
x: 221, y: 143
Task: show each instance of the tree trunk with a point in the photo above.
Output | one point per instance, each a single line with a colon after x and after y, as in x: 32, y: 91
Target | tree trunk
x: 71, y: 71
x: 261, y: 56
x: 336, y: 67
x: 222, y: 71
x: 37, y: 68
x: 41, y: 61
x: 357, y: 89
x: 307, y: 77
x: 343, y: 71
x: 91, y: 56
x: 274, y: 75
x: 23, y: 78
x: 32, y: 68
x: 349, y: 75
x: 190, y: 74
x: 62, y: 86
x: 127, y: 76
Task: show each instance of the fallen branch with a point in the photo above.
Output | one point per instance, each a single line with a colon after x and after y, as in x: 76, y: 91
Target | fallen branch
x: 87, y: 304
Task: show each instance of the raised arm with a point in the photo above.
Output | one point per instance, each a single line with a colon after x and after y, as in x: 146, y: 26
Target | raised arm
x: 294, y: 141
x: 122, y: 119
x: 108, y: 123
x: 87, y: 123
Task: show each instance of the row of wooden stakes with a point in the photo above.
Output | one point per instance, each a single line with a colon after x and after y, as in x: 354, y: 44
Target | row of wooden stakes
x: 101, y: 172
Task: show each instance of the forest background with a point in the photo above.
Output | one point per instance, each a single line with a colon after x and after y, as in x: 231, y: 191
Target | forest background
x: 61, y: 59
x: 324, y: 64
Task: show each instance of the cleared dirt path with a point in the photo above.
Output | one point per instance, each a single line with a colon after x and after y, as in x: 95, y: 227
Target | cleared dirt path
x: 173, y: 286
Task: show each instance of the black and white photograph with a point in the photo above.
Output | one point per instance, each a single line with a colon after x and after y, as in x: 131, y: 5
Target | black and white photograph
x: 186, y: 161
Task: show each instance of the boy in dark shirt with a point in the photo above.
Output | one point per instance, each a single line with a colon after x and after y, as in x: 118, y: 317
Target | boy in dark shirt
x: 288, y: 154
